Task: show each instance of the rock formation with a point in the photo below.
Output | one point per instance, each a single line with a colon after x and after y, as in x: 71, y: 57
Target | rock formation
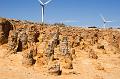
x: 58, y: 48
x: 64, y: 46
x: 13, y: 41
x: 5, y: 27
x: 28, y: 60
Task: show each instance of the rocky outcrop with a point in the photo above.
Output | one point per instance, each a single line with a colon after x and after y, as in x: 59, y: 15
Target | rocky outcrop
x: 13, y: 42
x: 64, y: 46
x: 32, y: 35
x: 5, y: 27
x: 17, y: 40
x: 28, y: 60
x: 57, y: 44
x: 56, y: 38
x: 49, y: 51
x: 22, y: 39
x: 66, y: 54
x: 76, y: 41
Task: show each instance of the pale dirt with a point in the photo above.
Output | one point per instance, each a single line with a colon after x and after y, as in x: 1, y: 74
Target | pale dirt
x: 84, y: 67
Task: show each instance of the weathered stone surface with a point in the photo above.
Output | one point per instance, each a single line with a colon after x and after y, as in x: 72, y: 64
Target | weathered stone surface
x: 69, y: 56
x: 66, y: 54
x: 32, y: 34
x: 22, y: 39
x: 33, y: 49
x: 76, y: 41
x: 54, y: 68
x: 49, y: 51
x: 13, y: 41
x: 41, y: 38
x: 67, y: 63
x: 28, y: 60
x: 56, y: 38
x: 5, y: 27
x: 64, y: 46
x: 100, y: 47
x: 17, y: 40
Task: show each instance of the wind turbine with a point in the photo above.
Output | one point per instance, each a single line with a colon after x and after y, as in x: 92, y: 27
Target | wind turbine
x: 105, y: 21
x: 43, y: 7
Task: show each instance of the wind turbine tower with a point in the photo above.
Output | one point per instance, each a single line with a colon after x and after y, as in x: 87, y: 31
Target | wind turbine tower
x: 43, y: 4
x: 105, y: 21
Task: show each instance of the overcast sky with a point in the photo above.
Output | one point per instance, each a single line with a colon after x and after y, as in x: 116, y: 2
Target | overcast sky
x: 71, y: 12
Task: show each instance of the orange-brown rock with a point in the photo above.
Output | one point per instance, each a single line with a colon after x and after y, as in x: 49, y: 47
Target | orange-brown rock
x: 28, y: 60
x: 54, y: 68
x: 58, y: 49
x: 5, y: 27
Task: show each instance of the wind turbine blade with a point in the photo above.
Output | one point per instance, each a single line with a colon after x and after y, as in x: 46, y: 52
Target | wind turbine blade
x: 41, y: 2
x: 48, y: 2
x: 103, y: 18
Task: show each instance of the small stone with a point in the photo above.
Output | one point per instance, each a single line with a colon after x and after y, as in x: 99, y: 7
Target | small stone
x: 100, y: 47
x: 54, y: 69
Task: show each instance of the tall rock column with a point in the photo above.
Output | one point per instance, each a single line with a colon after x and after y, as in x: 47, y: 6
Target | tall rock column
x: 67, y: 56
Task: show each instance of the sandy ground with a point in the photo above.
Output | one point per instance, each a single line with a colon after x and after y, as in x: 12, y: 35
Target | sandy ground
x: 107, y: 66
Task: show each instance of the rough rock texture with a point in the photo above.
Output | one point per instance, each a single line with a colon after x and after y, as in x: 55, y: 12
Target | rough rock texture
x: 13, y: 41
x: 33, y: 48
x: 67, y: 63
x: 17, y: 40
x: 54, y: 68
x: 56, y: 38
x: 5, y: 27
x: 76, y: 41
x: 67, y: 56
x: 22, y: 39
x: 84, y: 53
x: 64, y: 46
x: 32, y: 35
x: 28, y: 60
x: 49, y: 51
